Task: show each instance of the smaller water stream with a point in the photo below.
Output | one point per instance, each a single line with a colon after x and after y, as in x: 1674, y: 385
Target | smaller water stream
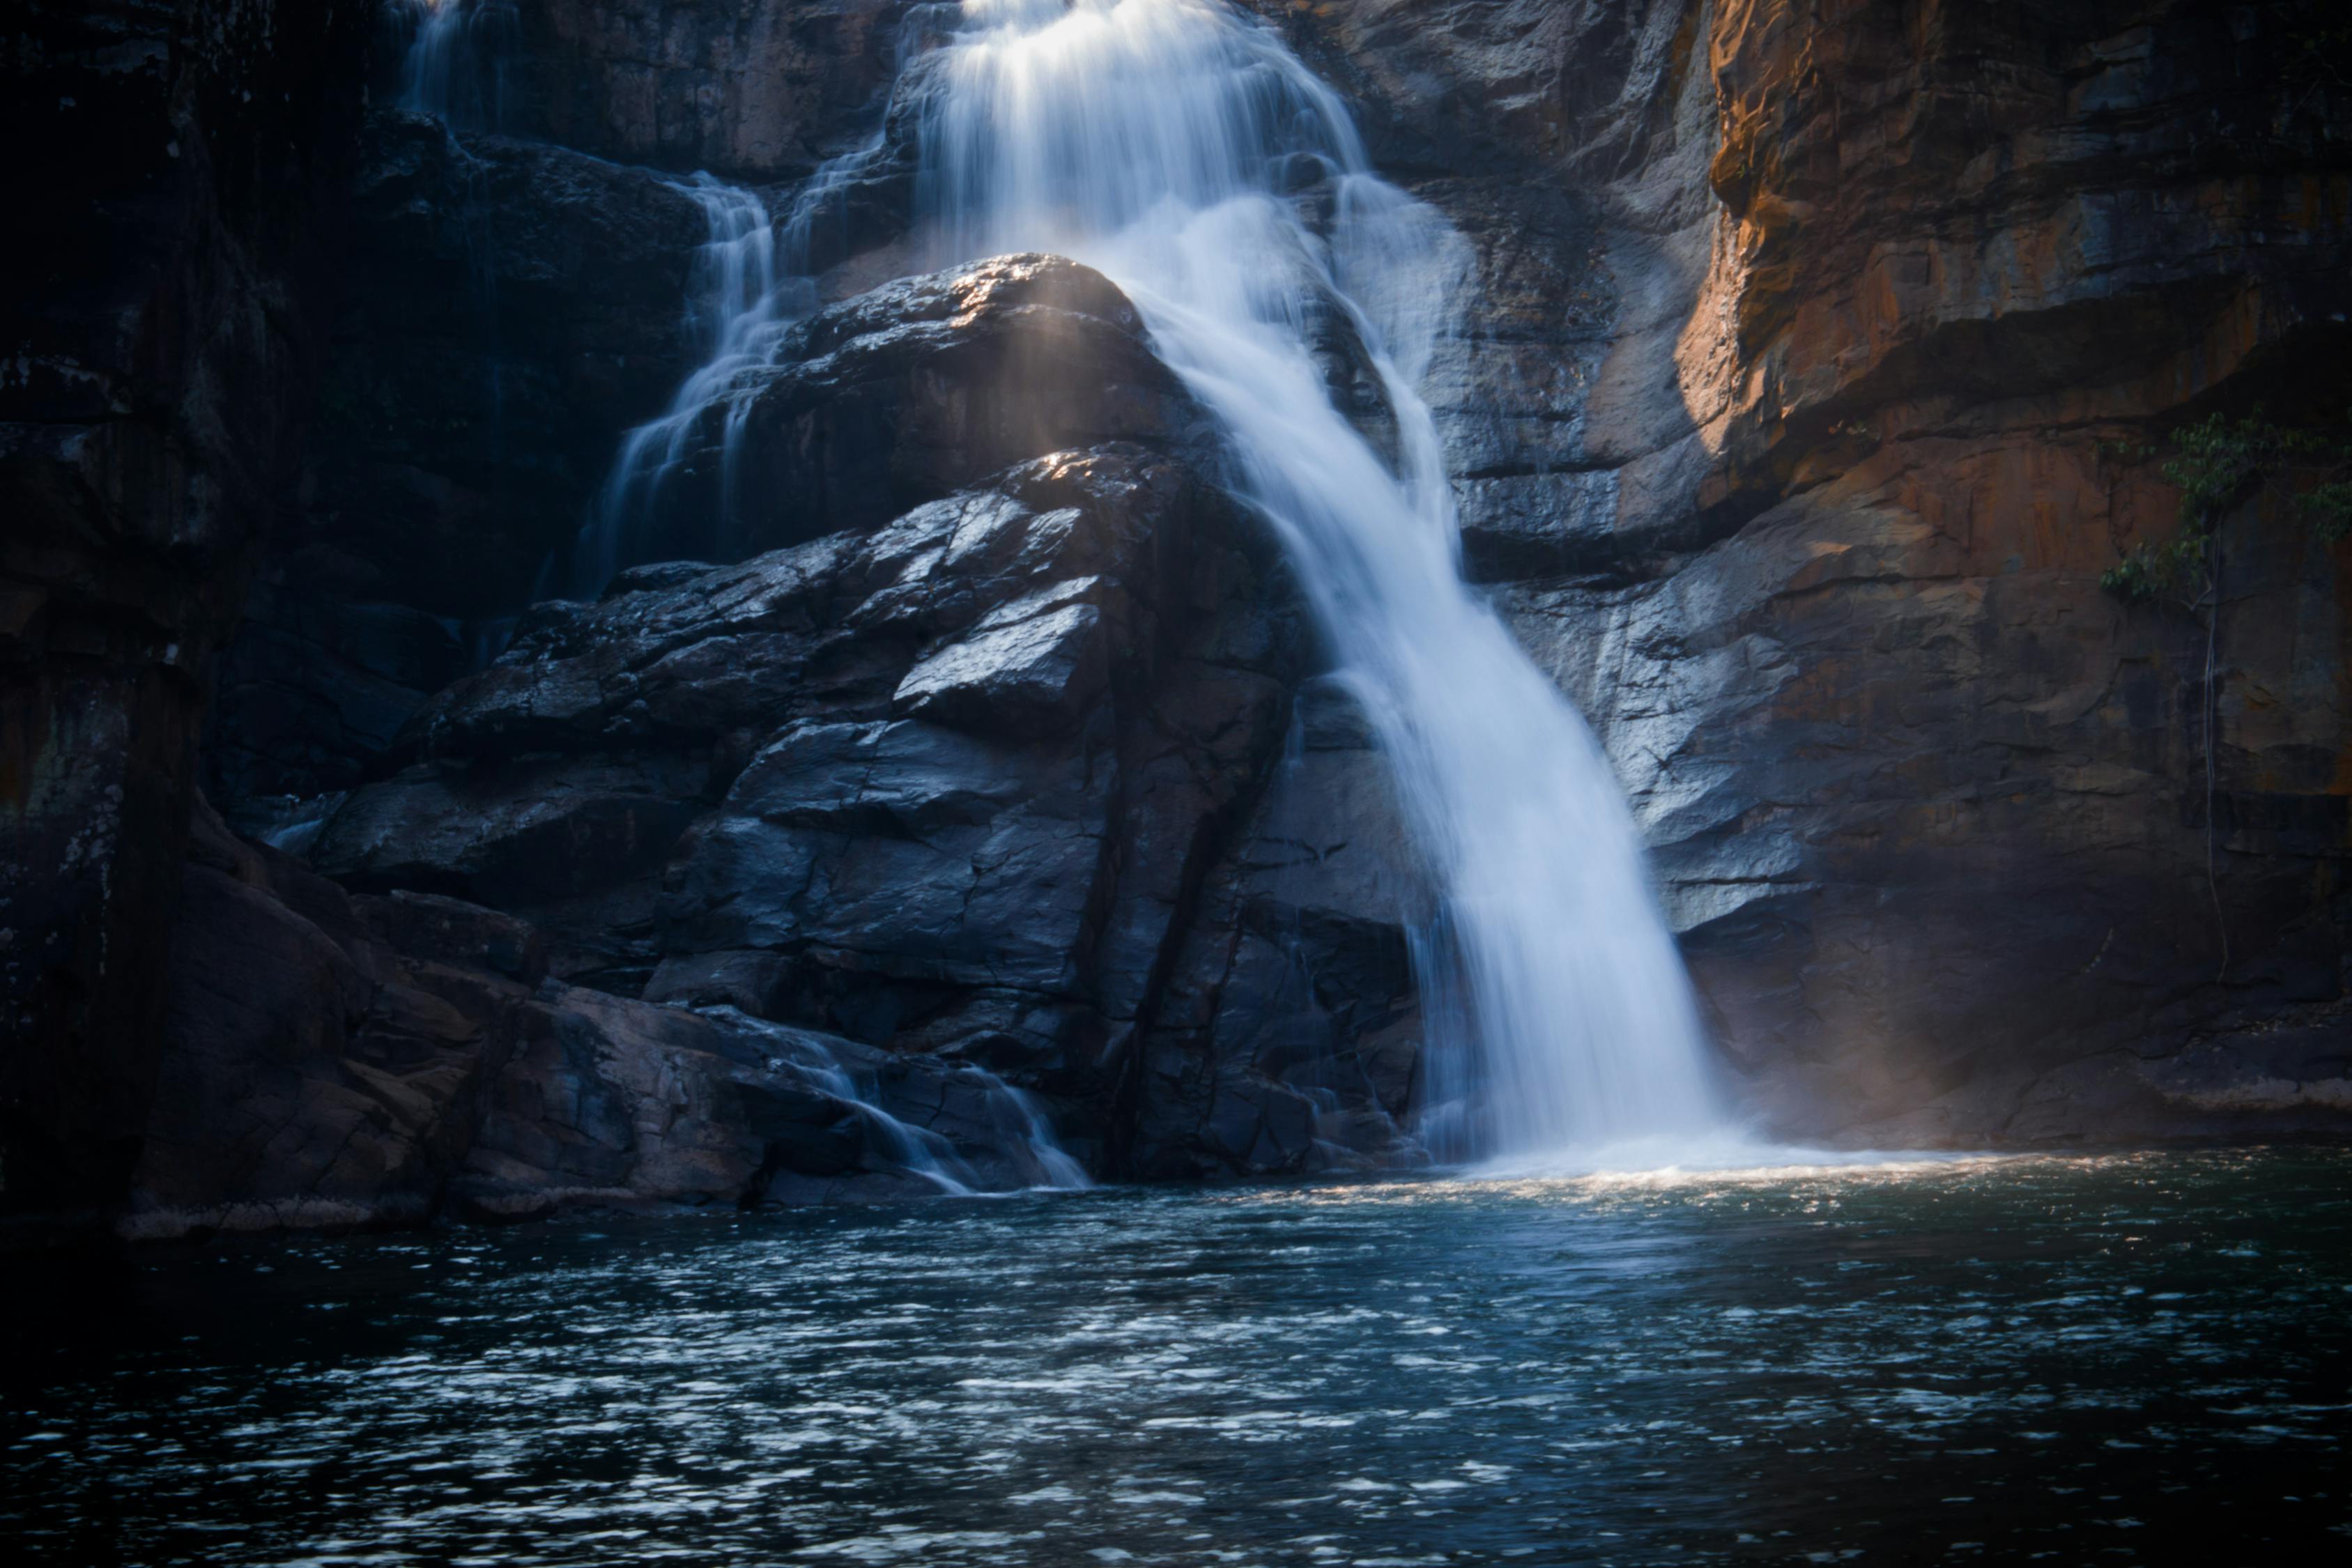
x: 458, y: 58
x: 1020, y: 1137
x: 733, y: 300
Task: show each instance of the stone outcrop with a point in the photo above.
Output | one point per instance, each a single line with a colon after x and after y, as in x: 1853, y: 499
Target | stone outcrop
x: 340, y: 1059
x: 907, y: 391
x: 946, y: 781
x: 1802, y: 393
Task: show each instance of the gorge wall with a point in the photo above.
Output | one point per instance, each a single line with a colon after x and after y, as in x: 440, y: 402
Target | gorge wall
x: 180, y: 171
x: 1800, y: 401
x: 1884, y: 300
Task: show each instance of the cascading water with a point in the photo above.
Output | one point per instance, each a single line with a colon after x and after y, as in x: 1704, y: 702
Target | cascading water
x: 455, y: 68
x: 750, y: 284
x: 1164, y: 142
x: 735, y: 302
x: 1021, y: 1149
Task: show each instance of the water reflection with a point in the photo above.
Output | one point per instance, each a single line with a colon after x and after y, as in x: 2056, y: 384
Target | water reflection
x: 2081, y: 1358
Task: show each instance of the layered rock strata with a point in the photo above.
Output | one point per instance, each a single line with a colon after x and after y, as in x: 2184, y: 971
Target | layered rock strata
x: 1796, y: 422
x: 1801, y: 395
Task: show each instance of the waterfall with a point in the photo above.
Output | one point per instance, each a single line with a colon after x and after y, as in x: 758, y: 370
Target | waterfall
x: 1013, y: 1144
x: 733, y: 301
x: 1179, y: 148
x: 751, y: 282
x: 455, y: 68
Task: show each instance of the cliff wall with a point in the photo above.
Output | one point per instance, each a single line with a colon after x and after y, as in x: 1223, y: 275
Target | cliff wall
x: 176, y: 175
x: 1823, y: 356
x: 1889, y: 306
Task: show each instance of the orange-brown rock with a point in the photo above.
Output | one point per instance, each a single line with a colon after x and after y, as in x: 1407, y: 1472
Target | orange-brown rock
x: 1862, y: 300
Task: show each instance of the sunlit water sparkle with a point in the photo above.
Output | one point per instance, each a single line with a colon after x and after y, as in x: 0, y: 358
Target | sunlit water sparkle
x: 2094, y: 1360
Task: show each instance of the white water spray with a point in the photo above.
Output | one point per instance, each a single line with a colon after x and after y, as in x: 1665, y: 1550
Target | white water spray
x: 733, y: 301
x: 1180, y: 149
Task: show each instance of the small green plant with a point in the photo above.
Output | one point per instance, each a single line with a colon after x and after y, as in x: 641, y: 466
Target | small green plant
x: 2328, y: 506
x: 2319, y: 53
x: 2218, y: 463
x: 2158, y: 571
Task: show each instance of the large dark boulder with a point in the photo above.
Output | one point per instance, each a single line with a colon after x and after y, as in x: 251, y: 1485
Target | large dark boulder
x: 891, y: 785
x: 330, y: 1059
x: 918, y: 388
x: 948, y: 778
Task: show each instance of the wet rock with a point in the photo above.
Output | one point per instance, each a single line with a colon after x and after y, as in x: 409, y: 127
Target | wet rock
x: 1289, y: 1037
x: 613, y: 1102
x: 1031, y: 668
x: 944, y: 780
x: 1786, y: 414
x: 531, y: 831
x: 334, y: 1061
x: 916, y: 390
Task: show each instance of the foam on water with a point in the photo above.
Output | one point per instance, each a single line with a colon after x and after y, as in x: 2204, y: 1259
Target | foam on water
x: 1732, y: 1152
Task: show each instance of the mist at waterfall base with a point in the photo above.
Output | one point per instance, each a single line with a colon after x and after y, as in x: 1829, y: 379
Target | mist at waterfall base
x: 1179, y: 148
x: 2131, y: 1359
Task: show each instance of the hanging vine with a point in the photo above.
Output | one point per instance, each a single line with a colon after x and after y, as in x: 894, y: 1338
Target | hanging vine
x: 2218, y: 465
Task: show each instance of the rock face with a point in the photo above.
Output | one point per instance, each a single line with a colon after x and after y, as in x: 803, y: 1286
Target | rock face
x: 946, y: 781
x: 333, y: 1059
x: 1804, y: 485
x: 959, y: 730
x: 183, y: 167
x: 507, y: 309
x: 753, y: 92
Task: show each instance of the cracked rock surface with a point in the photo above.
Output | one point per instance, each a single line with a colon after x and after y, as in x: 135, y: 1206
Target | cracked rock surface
x: 1807, y: 360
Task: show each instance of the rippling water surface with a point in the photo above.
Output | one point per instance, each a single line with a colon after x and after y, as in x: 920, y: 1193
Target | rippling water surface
x: 2080, y: 1360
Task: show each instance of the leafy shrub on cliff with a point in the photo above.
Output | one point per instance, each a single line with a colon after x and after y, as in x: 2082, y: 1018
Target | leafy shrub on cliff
x: 2217, y: 463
